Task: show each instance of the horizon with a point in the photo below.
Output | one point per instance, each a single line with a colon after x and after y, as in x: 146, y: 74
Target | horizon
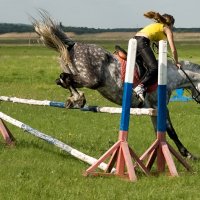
x: 97, y: 28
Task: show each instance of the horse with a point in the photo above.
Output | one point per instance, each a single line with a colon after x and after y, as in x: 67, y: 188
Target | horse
x: 91, y: 66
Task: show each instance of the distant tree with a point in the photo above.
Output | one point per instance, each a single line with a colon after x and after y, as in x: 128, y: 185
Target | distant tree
x: 20, y: 28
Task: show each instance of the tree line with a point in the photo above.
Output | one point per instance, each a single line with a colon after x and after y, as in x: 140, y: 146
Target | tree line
x: 21, y: 28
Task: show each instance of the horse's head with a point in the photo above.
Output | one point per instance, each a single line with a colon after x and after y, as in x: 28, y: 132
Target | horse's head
x: 196, y: 92
x: 192, y: 73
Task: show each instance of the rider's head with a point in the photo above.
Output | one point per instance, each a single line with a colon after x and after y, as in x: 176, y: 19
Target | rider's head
x: 164, y: 19
x: 169, y: 19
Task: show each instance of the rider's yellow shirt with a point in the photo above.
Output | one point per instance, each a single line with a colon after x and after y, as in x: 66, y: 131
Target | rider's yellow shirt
x: 154, y: 32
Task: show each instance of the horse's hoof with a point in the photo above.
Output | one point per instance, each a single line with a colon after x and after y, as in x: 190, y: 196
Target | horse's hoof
x: 185, y: 153
x: 73, y: 102
x: 192, y: 157
x: 69, y: 104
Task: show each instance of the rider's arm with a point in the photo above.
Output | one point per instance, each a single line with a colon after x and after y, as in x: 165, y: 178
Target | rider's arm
x: 170, y: 39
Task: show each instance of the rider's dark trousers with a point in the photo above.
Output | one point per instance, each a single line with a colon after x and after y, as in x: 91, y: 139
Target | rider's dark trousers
x: 146, y: 56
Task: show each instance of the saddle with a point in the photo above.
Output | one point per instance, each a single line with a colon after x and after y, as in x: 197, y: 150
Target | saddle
x: 140, y: 69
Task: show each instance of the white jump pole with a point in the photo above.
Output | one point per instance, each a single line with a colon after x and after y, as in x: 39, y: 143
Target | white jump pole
x: 33, y: 101
x: 105, y: 109
x: 75, y: 153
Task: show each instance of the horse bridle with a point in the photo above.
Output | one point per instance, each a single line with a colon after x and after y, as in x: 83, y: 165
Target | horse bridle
x: 155, y: 49
x: 198, y: 93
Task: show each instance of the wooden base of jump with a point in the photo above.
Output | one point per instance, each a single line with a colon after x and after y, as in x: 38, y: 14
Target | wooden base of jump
x: 121, y: 155
x: 7, y: 135
x: 163, y: 151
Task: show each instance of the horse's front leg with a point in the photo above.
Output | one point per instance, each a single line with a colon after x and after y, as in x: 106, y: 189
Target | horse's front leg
x: 77, y: 98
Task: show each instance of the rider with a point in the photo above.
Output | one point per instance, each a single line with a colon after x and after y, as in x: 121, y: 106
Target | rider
x: 160, y: 30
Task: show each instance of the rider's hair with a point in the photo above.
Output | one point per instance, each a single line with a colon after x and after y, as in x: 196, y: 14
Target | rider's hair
x: 164, y: 19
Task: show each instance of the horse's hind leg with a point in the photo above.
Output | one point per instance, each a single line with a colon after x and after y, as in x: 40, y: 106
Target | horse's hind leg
x: 172, y: 134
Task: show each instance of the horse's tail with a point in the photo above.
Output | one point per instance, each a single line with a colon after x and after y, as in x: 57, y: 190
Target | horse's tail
x: 53, y: 36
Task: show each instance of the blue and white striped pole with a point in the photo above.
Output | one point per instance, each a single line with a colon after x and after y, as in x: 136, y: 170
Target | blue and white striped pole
x: 77, y: 154
x: 162, y: 149
x: 162, y: 87
x: 128, y: 85
x: 104, y: 109
x: 121, y: 153
x: 33, y: 101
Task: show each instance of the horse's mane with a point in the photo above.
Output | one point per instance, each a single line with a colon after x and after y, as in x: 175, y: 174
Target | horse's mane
x: 190, y: 65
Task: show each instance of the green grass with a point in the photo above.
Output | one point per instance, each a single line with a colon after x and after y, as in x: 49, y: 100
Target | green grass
x: 34, y: 169
x: 189, y: 50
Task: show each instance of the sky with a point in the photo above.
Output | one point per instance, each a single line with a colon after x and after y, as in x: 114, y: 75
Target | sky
x: 101, y: 13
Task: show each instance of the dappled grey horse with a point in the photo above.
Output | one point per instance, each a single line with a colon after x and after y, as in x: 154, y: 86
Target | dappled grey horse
x: 90, y: 66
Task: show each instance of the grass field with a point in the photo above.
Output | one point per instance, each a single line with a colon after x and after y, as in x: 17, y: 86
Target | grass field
x: 34, y: 169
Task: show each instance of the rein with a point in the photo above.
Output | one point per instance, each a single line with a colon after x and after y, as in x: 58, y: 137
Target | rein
x: 155, y: 49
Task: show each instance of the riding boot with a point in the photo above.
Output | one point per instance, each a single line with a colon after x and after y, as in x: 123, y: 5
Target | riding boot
x: 140, y: 92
